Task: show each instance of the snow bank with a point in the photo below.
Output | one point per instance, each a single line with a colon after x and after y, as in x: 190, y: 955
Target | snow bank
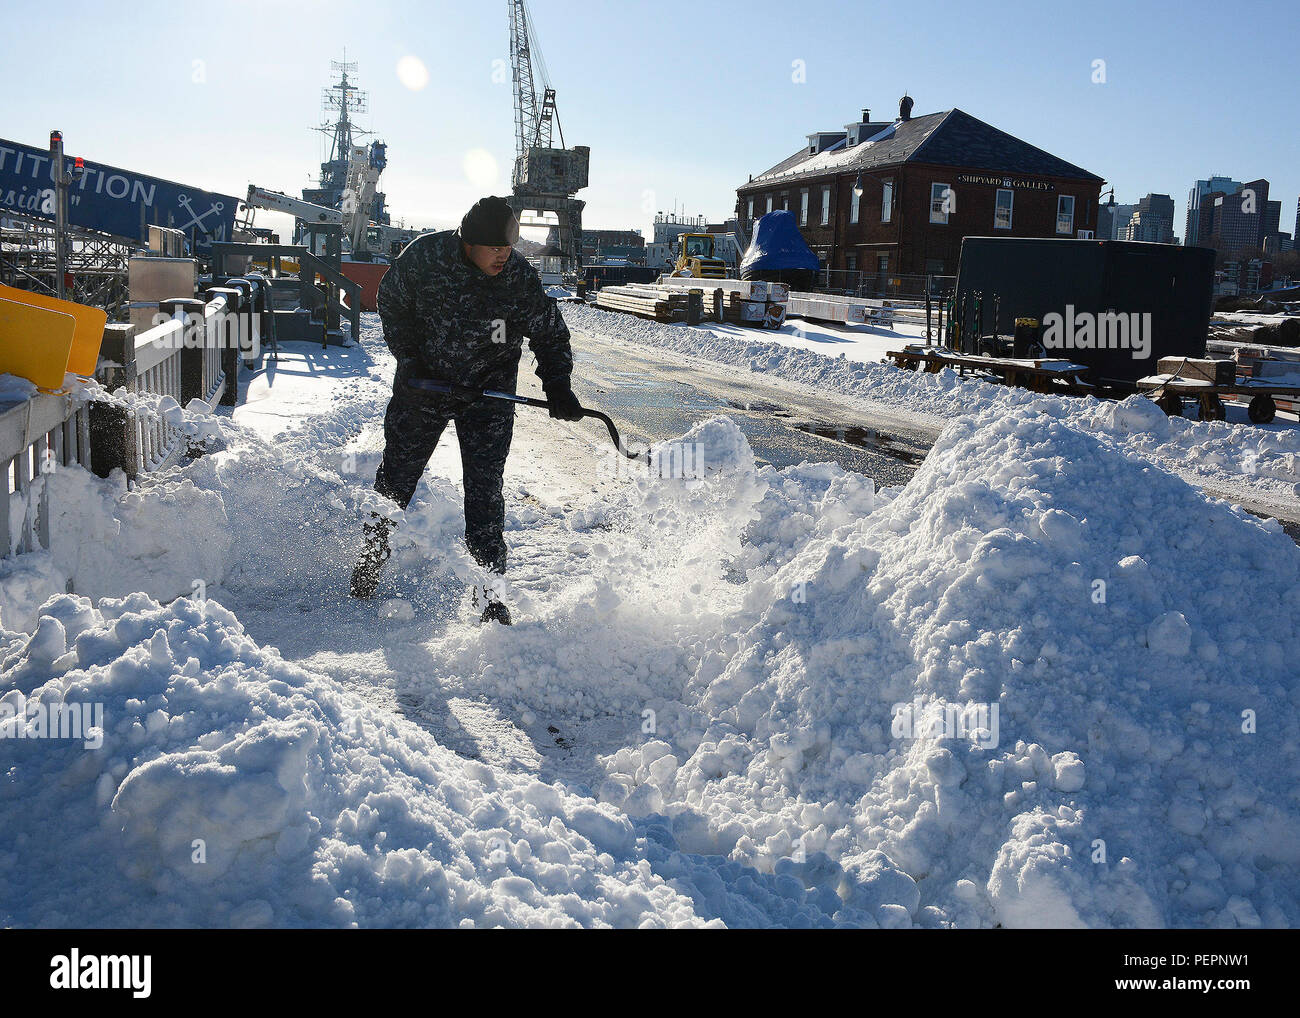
x: 1118, y: 647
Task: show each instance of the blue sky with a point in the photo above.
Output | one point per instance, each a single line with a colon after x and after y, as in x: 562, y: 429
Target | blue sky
x: 679, y: 101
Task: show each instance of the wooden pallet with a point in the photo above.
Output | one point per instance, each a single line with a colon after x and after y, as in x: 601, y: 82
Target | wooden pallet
x: 1034, y: 374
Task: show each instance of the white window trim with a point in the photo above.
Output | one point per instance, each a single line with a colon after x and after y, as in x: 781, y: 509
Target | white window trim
x: 1011, y: 208
x: 1068, y: 232
x: 942, y: 217
x: 826, y: 206
x: 803, y: 207
x: 751, y: 209
x: 769, y: 203
x: 853, y: 206
x: 887, y: 186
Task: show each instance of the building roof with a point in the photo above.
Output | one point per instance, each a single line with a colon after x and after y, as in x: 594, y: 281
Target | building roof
x: 950, y: 138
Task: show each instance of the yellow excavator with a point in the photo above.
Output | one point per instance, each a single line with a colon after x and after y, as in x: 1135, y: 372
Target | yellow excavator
x: 695, y: 257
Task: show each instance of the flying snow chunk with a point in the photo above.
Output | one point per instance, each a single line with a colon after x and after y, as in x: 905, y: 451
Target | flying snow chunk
x: 397, y: 608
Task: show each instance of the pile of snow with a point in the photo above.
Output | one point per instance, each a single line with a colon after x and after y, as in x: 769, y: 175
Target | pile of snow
x: 1114, y: 648
x: 164, y: 537
x: 215, y: 784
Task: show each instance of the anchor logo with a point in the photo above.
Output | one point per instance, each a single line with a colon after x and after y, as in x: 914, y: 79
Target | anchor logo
x: 195, y: 218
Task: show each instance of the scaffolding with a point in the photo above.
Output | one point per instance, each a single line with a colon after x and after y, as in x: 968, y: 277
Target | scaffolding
x: 96, y: 263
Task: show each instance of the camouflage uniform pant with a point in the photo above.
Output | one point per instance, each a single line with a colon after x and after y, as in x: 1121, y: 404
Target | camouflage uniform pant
x: 412, y: 427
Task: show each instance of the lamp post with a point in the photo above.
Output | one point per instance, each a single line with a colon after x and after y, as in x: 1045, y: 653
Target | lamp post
x: 1110, y: 206
x: 62, y: 181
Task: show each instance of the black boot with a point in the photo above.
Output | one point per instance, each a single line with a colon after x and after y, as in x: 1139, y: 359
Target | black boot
x: 488, y: 597
x: 365, y: 575
x: 496, y: 611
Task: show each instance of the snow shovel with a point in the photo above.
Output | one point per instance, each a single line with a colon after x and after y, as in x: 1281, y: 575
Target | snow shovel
x: 430, y: 385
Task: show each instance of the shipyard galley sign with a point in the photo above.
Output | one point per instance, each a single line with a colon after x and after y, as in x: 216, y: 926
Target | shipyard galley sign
x: 1016, y: 183
x: 112, y: 200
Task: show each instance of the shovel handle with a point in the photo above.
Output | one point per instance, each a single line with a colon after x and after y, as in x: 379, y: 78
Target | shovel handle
x: 513, y: 397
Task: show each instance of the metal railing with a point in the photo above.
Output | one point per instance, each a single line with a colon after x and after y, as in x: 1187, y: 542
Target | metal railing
x: 37, y: 436
x: 183, y: 358
x: 196, y: 353
x: 883, y: 284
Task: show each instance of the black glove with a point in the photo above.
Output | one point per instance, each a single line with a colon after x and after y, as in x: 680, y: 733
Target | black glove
x: 564, y: 405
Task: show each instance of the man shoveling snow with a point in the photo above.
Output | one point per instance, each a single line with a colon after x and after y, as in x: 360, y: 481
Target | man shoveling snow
x: 455, y: 307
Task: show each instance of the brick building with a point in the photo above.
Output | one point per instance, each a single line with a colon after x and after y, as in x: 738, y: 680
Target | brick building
x: 926, y: 182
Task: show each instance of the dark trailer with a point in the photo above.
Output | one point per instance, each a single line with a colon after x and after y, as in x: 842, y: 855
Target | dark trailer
x: 1034, y: 277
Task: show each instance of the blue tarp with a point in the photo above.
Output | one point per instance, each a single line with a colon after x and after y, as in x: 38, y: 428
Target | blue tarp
x: 778, y: 246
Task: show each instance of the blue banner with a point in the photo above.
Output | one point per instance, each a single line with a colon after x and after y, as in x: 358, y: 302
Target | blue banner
x: 113, y: 200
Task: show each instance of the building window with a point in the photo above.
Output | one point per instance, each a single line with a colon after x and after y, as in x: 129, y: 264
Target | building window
x: 751, y: 210
x: 887, y: 202
x: 940, y: 202
x: 1065, y: 214
x: 803, y: 207
x: 1002, y: 209
x: 853, y: 205
x: 882, y: 264
x: 826, y: 206
x: 769, y: 203
x: 851, y: 262
x: 785, y: 202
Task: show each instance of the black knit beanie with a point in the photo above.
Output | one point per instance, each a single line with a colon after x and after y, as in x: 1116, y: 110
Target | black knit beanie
x: 490, y: 222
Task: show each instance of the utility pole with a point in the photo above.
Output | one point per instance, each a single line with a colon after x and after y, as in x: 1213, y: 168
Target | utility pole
x: 62, y: 181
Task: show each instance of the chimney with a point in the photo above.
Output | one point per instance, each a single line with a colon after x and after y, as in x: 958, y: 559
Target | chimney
x: 905, y: 107
x: 866, y: 116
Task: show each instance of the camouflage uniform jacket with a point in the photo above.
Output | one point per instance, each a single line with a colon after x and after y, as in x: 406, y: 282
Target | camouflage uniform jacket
x: 445, y: 319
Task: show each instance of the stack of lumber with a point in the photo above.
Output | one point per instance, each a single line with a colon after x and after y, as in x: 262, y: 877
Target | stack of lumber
x: 645, y: 299
x: 828, y: 307
x: 752, y: 302
x: 1216, y: 372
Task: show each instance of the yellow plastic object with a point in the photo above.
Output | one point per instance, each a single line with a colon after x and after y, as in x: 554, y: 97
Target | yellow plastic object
x: 35, y: 342
x: 90, y: 327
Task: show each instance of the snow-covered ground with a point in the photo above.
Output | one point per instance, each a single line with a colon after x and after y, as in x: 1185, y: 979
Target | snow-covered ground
x: 1047, y: 682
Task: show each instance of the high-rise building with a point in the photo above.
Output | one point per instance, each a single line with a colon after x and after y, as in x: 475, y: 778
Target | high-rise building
x: 1276, y: 243
x: 1152, y: 220
x: 1112, y: 220
x: 1238, y: 222
x: 1226, y: 185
